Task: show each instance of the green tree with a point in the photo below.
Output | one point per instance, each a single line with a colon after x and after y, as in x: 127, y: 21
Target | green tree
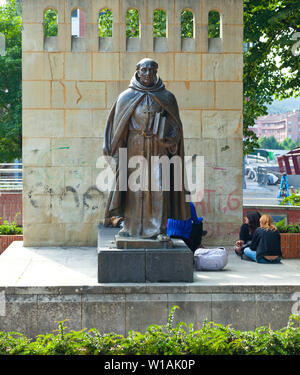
x: 289, y: 144
x: 105, y: 23
x: 271, y: 66
x: 132, y: 23
x: 159, y: 24
x: 11, y: 84
x: 270, y: 143
x: 50, y: 23
x: 213, y: 24
x: 187, y: 24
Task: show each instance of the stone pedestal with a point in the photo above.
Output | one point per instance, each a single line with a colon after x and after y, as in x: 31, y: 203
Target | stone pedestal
x: 141, y: 265
x: 141, y: 243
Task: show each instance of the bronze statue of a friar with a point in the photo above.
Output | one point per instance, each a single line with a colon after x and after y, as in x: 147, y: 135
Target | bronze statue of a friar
x: 145, y: 121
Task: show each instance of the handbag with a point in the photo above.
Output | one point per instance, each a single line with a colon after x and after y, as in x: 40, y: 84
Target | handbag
x: 210, y: 259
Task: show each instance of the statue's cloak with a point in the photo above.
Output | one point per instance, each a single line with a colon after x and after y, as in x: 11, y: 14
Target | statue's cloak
x: 115, y: 137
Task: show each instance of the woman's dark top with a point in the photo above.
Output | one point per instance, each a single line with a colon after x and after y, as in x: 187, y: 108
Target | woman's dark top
x: 265, y: 242
x: 244, y: 233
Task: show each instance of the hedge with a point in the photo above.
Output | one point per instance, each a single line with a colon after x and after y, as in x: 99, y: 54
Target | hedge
x: 210, y: 339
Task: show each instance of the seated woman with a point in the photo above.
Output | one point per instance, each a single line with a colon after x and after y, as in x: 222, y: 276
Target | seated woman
x: 265, y: 246
x: 247, y: 230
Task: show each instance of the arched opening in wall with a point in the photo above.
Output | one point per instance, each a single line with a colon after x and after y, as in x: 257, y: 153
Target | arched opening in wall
x: 105, y: 27
x: 133, y: 30
x: 214, y: 31
x: 78, y: 29
x: 50, y: 29
x: 187, y: 30
x: 2, y: 45
x: 160, y: 43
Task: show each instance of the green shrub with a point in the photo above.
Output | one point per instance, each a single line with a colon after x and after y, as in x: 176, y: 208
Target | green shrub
x: 211, y: 339
x: 287, y: 228
x: 293, y: 199
x: 10, y: 228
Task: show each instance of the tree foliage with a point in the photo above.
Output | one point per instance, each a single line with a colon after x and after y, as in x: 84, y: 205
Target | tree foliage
x: 187, y: 24
x: 213, y: 24
x: 271, y: 70
x: 289, y: 144
x: 159, y: 24
x: 50, y: 23
x: 272, y: 144
x: 132, y: 23
x: 11, y: 84
x: 105, y: 23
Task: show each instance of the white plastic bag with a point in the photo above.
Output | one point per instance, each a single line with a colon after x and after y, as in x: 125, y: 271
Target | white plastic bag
x: 210, y: 259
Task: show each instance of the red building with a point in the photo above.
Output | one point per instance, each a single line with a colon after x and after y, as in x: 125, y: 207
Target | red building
x: 281, y: 126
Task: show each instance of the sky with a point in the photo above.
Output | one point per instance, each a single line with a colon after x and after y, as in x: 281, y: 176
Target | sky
x: 2, y: 2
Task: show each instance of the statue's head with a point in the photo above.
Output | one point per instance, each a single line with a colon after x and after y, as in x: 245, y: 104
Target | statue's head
x: 146, y: 71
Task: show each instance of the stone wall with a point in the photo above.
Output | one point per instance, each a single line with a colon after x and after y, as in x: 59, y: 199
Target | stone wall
x: 124, y: 308
x: 69, y: 87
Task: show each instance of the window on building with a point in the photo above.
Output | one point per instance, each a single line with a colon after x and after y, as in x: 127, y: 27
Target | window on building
x: 105, y: 23
x: 132, y: 23
x: 214, y: 24
x: 159, y: 23
x: 50, y: 23
x: 78, y: 23
x: 187, y: 24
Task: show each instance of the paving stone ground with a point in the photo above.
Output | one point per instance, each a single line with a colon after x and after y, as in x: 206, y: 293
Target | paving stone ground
x: 50, y: 266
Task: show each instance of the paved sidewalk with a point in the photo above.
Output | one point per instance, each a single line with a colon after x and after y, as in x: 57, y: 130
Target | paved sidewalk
x: 28, y: 266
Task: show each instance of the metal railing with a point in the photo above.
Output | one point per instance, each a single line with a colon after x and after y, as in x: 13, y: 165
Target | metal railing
x: 11, y: 177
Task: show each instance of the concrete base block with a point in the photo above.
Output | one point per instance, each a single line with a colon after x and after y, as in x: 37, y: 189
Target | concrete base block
x: 145, y: 265
x: 121, y: 266
x: 141, y: 265
x: 172, y: 265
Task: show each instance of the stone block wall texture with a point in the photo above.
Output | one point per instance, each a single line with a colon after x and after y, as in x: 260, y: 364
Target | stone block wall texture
x: 70, y: 85
x: 125, y: 308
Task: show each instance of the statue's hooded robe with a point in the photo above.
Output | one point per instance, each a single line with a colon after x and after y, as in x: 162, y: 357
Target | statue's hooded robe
x: 130, y: 125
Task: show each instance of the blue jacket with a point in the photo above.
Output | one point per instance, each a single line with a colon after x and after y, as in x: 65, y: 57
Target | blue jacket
x: 183, y: 228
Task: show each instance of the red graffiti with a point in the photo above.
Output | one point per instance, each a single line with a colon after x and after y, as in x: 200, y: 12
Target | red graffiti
x: 233, y: 202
